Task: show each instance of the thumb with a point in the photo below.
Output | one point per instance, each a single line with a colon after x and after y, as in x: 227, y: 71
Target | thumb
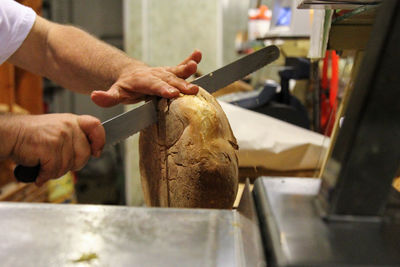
x: 108, y: 98
x: 94, y: 131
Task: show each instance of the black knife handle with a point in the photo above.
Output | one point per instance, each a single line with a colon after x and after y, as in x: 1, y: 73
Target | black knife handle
x: 26, y: 174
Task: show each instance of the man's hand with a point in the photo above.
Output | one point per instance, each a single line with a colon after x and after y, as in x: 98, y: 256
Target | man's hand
x: 59, y: 142
x: 137, y: 81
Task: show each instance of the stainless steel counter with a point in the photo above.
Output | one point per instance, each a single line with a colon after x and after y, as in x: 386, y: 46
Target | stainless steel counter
x: 297, y: 234
x: 59, y: 235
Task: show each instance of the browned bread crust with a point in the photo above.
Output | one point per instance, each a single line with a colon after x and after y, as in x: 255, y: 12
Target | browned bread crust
x: 188, y: 159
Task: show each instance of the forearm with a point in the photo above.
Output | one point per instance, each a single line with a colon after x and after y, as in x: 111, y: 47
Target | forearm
x: 80, y: 62
x: 71, y: 57
x: 84, y: 64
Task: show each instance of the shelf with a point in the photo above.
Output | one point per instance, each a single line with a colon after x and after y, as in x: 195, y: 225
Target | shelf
x: 332, y: 4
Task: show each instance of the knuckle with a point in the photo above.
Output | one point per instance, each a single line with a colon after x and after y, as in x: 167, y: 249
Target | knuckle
x: 68, y: 123
x: 64, y: 133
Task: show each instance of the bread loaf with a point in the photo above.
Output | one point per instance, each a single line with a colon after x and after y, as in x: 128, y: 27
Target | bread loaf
x: 188, y: 159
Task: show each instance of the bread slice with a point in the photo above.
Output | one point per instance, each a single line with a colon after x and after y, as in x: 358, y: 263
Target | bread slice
x: 188, y: 159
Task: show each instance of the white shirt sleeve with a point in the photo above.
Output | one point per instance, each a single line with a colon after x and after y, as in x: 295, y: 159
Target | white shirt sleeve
x: 16, y: 21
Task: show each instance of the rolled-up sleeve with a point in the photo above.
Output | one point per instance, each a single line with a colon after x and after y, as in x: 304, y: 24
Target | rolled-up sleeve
x: 16, y: 22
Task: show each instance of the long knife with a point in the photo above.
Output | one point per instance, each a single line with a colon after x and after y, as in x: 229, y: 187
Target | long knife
x: 124, y: 125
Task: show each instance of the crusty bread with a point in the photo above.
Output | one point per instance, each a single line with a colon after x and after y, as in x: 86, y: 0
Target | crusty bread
x: 188, y: 159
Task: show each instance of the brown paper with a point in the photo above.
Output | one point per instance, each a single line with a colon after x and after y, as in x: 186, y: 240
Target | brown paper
x: 274, y: 144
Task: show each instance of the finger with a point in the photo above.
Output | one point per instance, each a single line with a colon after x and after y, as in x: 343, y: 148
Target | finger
x: 164, y: 89
x: 49, y: 167
x: 184, y: 70
x: 196, y: 56
x: 82, y: 149
x: 181, y: 84
x: 94, y: 131
x: 67, y: 158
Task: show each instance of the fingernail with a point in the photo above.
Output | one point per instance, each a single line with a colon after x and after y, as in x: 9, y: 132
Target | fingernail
x: 173, y: 90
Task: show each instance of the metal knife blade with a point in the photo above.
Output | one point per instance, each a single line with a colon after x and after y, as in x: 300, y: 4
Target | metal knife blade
x: 238, y: 69
x: 130, y: 122
x: 124, y: 125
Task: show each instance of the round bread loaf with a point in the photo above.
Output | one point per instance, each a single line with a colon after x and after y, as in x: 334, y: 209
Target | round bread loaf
x: 188, y: 159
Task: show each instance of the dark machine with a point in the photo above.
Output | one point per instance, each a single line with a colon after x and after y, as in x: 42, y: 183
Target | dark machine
x: 277, y: 101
